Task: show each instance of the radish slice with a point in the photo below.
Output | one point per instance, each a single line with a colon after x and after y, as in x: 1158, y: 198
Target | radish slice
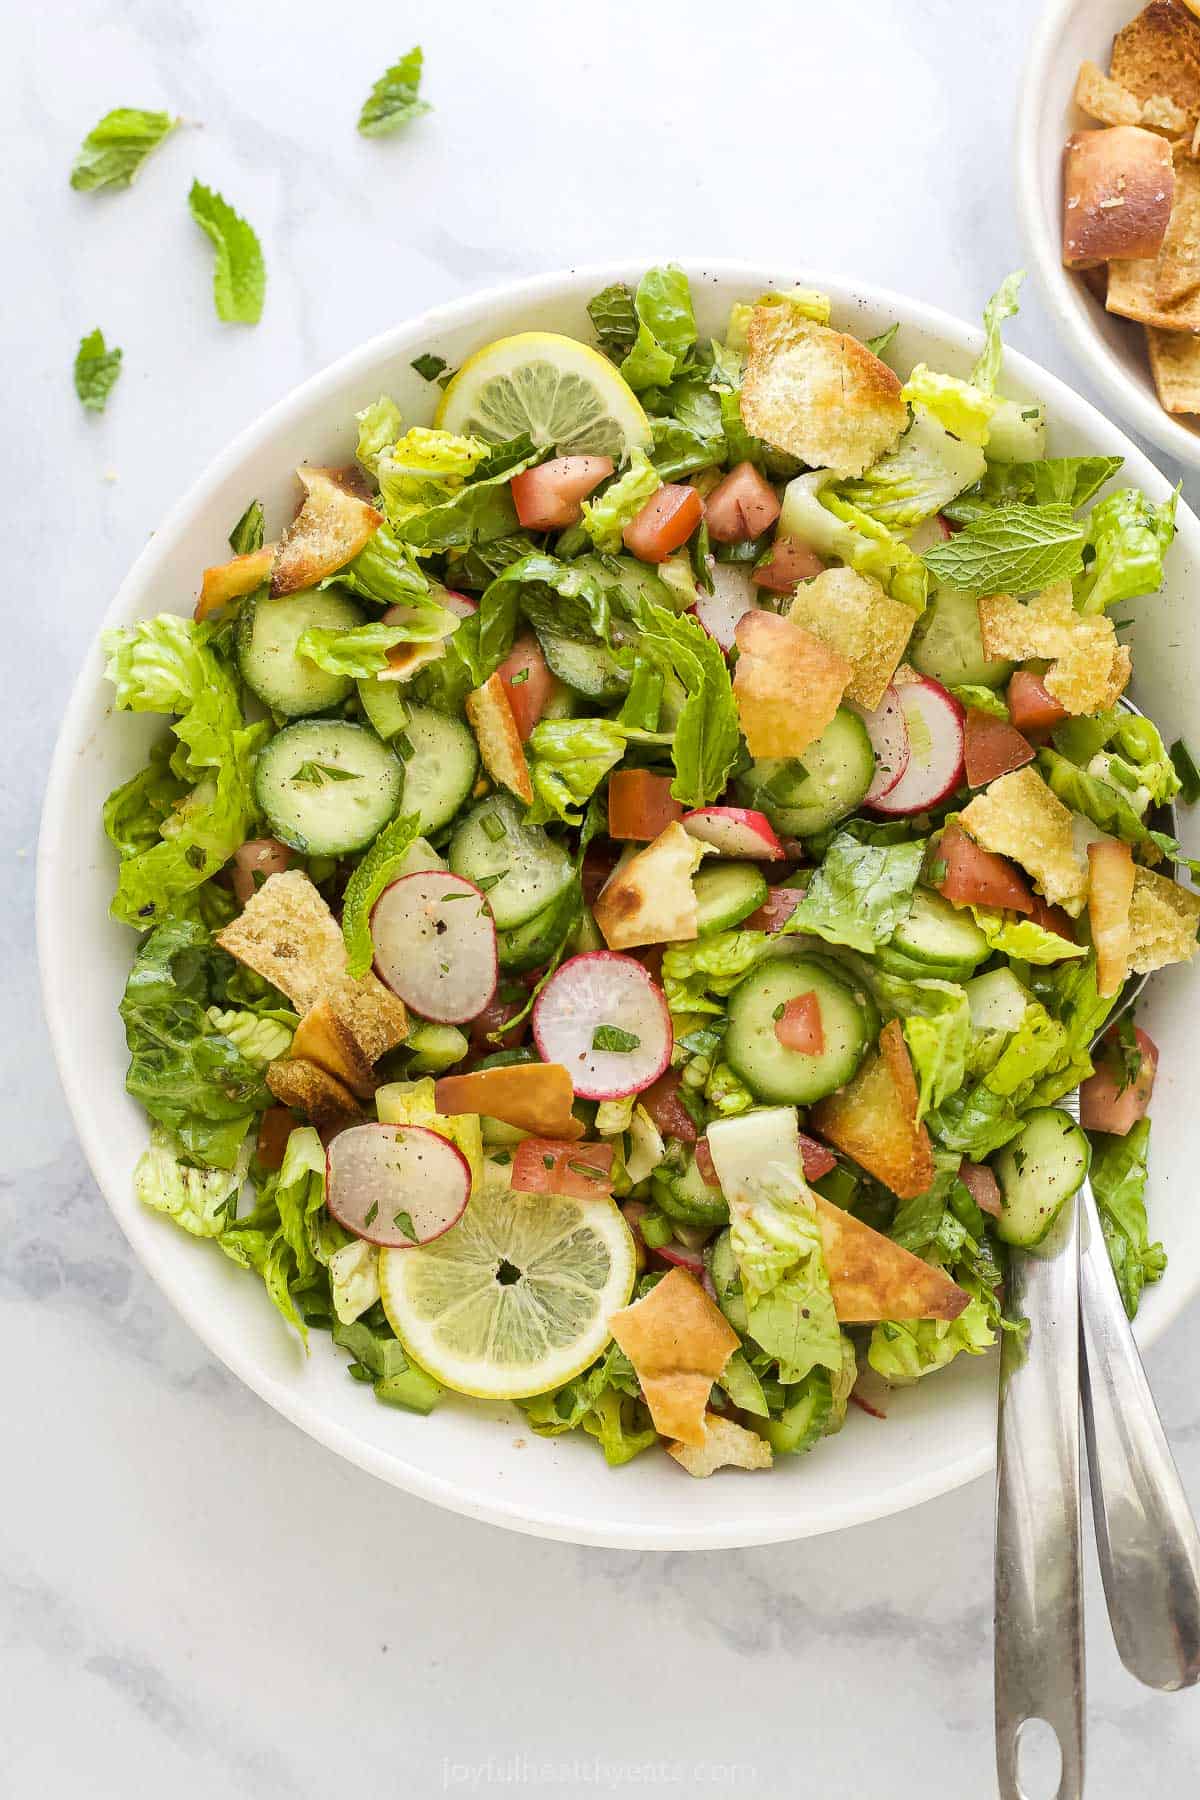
x: 395, y: 1185
x: 600, y: 994
x: 435, y: 945
x: 888, y: 732
x: 461, y: 605
x: 935, y: 724
x: 734, y: 831
x: 733, y: 596
x: 680, y: 1257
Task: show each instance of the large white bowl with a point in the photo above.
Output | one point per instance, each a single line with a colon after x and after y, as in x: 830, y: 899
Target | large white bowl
x: 1111, y: 349
x: 473, y: 1458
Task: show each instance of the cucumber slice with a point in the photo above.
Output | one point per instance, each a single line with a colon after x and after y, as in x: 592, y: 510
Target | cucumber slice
x: 588, y: 668
x: 895, y: 962
x: 726, y: 893
x: 532, y: 944
x: 997, y: 1001
x: 937, y: 933
x: 788, y: 1077
x: 742, y: 1385
x: 726, y: 1279
x: 327, y: 787
x: 632, y: 578
x: 385, y: 706
x: 440, y: 765
x: 519, y: 868
x: 688, y: 1199
x: 805, y: 1415
x: 1038, y: 1172
x: 267, y: 631
x: 801, y: 798
x: 947, y: 647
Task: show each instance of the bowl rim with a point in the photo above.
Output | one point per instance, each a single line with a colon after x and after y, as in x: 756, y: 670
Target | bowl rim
x: 58, y: 993
x: 1041, y: 233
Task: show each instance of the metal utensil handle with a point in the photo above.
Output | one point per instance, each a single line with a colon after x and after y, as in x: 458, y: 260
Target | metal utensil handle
x: 1145, y: 1533
x: 1039, y: 1591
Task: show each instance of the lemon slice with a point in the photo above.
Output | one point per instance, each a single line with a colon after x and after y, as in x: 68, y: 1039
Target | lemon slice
x: 516, y: 1297
x: 561, y: 392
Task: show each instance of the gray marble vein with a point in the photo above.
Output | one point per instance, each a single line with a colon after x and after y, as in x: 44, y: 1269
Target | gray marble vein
x: 195, y: 1599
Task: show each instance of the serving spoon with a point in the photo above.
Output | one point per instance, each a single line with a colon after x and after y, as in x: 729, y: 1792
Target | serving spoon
x: 1080, y: 1346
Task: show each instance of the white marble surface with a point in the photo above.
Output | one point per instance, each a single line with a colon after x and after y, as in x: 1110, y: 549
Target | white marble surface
x: 195, y: 1599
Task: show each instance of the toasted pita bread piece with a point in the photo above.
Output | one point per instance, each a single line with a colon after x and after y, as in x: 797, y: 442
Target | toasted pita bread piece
x: 308, y: 1088
x: 1089, y: 669
x: 1158, y: 53
x: 1133, y: 294
x: 872, y: 1278
x: 1118, y: 184
x: 332, y: 526
x: 233, y: 580
x: 1175, y: 366
x: 818, y: 393
x: 287, y: 934
x: 727, y: 1445
x: 1100, y: 97
x: 1110, y: 890
x: 649, y: 897
x: 1177, y: 272
x: 534, y: 1097
x: 678, y: 1341
x: 323, y: 1036
x: 1163, y: 920
x: 874, y: 1118
x: 1019, y: 817
x: 788, y: 684
x: 852, y: 614
x: 499, y: 741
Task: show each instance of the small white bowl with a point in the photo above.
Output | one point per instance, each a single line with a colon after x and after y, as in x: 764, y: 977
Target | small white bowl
x: 479, y: 1459
x: 1112, y: 349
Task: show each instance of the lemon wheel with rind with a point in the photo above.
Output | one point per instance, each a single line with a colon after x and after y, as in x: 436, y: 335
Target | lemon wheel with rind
x: 566, y: 395
x: 516, y: 1297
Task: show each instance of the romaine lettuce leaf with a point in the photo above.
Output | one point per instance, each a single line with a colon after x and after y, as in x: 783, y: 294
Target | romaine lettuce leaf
x: 605, y: 518
x: 378, y: 868
x: 666, y: 328
x: 776, y: 1240
x: 1119, y: 1168
x: 568, y: 760
x: 379, y: 425
x: 552, y: 595
x: 261, y: 1037
x: 1052, y: 481
x: 706, y: 734
x: 713, y: 965
x: 385, y: 572
x: 938, y: 1037
x: 354, y: 1279
x: 920, y: 477
x: 1131, y: 738
x: 816, y: 513
x: 362, y: 650
x: 860, y: 893
x: 1106, y: 805
x: 904, y: 1350
x: 605, y: 1401
x: 1023, y: 938
x: 198, y: 1199
x: 1002, y: 305
x: 958, y: 406
x: 1123, y: 554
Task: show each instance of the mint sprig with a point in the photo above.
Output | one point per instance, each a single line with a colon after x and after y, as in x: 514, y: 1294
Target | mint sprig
x: 1014, y: 549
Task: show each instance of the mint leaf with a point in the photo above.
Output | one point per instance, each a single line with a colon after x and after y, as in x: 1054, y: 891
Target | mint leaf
x: 615, y: 319
x: 706, y: 736
x: 1188, y: 773
x: 393, y: 101
x: 114, y: 150
x: 877, y: 345
x: 428, y: 366
x: 247, y: 535
x: 318, y: 774
x: 96, y: 369
x: 239, y: 276
x: 379, y: 866
x: 611, y: 1037
x: 1015, y: 549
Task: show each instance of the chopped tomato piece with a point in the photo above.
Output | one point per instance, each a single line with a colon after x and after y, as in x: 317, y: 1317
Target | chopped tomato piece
x: 254, y: 862
x: 790, y: 561
x: 799, y: 1026
x: 818, y: 1158
x: 982, y: 1186
x: 1033, y: 708
x: 527, y: 682
x: 1116, y: 1097
x: 550, y: 1166
x: 547, y: 498
x: 640, y: 805
x: 1053, y: 918
x: 775, y: 910
x: 274, y: 1129
x: 978, y: 877
x: 742, y: 506
x: 705, y: 1164
x: 667, y: 520
x: 661, y: 1100
x: 992, y: 747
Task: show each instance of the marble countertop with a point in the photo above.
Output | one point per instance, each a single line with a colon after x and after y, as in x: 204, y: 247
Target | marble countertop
x: 194, y: 1598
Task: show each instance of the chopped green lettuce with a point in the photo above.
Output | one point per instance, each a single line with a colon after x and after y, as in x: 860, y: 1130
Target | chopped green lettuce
x: 605, y: 1401
x: 250, y: 530
x: 983, y: 699
x: 1022, y: 938
x: 261, y: 1037
x: 1123, y: 554
x: 568, y: 760
x: 958, y: 406
x: 379, y: 426
x: 354, y: 1279
x: 904, y: 1350
x: 920, y: 477
x: 362, y: 650
x: 198, y: 1199
x: 386, y: 573
x: 666, y: 329
x: 697, y: 975
x: 605, y: 518
x: 860, y: 893
x: 1002, y: 305
x: 1052, y: 481
x: 1118, y: 1174
x: 815, y: 512
x: 1129, y: 738
x: 938, y: 1037
x: 380, y: 866
x: 1107, y: 805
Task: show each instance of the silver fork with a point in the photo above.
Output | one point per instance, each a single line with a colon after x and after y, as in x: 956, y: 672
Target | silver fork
x: 1080, y: 1345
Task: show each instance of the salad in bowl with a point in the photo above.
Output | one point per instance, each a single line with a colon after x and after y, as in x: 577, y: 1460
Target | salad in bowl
x: 627, y: 872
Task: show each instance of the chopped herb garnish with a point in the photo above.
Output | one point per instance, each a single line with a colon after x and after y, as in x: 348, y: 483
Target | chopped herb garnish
x: 372, y: 1213
x: 394, y: 99
x: 250, y: 530
x: 520, y: 676
x: 493, y: 827
x: 611, y: 1037
x: 938, y: 870
x: 1129, y: 1056
x: 460, y: 895
x: 582, y: 1168
x: 1188, y: 773
x: 503, y: 1157
x: 403, y: 1222
x: 488, y: 882
x: 96, y: 369
x: 780, y: 1010
x: 547, y: 1162
x: 428, y: 367
x: 316, y: 774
